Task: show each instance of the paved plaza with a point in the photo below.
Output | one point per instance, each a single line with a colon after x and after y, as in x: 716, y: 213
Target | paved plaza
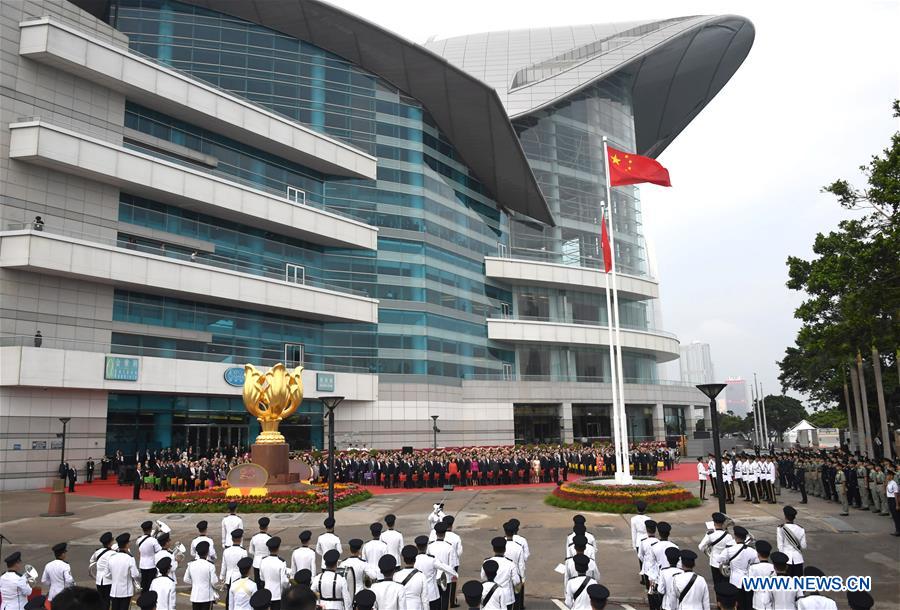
x: 854, y: 545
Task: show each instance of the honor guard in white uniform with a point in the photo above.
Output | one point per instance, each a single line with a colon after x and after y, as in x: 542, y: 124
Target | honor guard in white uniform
x: 663, y: 530
x: 791, y: 540
x: 243, y: 587
x: 598, y: 594
x: 257, y: 548
x: 691, y: 589
x: 739, y: 474
x: 122, y: 571
x: 781, y: 599
x: 147, y: 548
x: 356, y: 569
x: 230, y: 523
x: 516, y: 539
x: 580, y: 542
x: 165, y: 542
x: 392, y: 538
x: 579, y: 529
x: 717, y: 541
x: 727, y: 595
x: 231, y: 557
x: 814, y: 600
x: 444, y: 552
x: 740, y: 557
x: 274, y: 572
x: 99, y: 560
x: 202, y: 526
x: 14, y: 587
x: 374, y: 549
x: 201, y: 575
x: 436, y: 514
x: 646, y: 555
x: 330, y: 586
x: 728, y: 479
x: 759, y: 600
x: 415, y: 593
x: 702, y: 476
x: 430, y: 566
x: 57, y: 574
x: 164, y: 585
x: 665, y: 585
x: 507, y: 574
x: 576, y: 587
x: 303, y: 557
x: 515, y: 553
x: 327, y: 541
x: 711, y: 468
x: 365, y: 600
x: 388, y: 594
x: 491, y: 592
x: 261, y: 600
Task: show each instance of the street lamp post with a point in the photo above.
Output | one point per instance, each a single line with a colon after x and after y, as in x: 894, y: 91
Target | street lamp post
x: 65, y: 421
x: 331, y: 403
x: 435, y: 429
x: 712, y: 390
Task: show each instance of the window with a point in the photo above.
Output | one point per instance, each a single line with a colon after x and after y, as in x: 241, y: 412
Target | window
x: 502, y: 250
x: 296, y: 195
x: 507, y: 371
x: 295, y: 274
x: 293, y: 355
x: 505, y: 310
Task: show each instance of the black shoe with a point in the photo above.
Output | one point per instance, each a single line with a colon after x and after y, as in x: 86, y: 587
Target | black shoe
x: 844, y: 514
x: 895, y: 534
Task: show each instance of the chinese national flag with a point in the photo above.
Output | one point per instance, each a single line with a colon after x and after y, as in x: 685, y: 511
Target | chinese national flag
x: 604, y: 246
x: 626, y: 168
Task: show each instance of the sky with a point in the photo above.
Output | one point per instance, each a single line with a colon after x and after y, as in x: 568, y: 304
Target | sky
x: 809, y: 105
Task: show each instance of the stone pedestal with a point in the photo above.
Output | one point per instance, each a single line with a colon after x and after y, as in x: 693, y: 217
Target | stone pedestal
x: 274, y: 458
x: 57, y: 506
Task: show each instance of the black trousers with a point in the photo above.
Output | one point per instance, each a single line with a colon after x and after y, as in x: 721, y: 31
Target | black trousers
x: 702, y: 490
x: 256, y: 577
x: 892, y: 508
x: 119, y: 603
x: 795, y: 569
x: 147, y: 577
x: 434, y: 604
x: 201, y: 605
x: 90, y: 477
x: 803, y: 492
x: 717, y: 576
x: 444, y: 600
x: 103, y: 590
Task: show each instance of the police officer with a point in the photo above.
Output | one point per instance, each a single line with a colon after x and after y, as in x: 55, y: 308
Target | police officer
x: 598, y: 594
x: 717, y: 541
x: 507, y: 575
x: 273, y: 572
x: 791, y: 540
x: 840, y: 482
x: 230, y: 523
x: 147, y: 547
x: 328, y: 541
x: 303, y: 557
x: 491, y: 593
x: 576, y: 598
x: 242, y: 587
x: 164, y: 585
x: 413, y: 581
x: 388, y: 594
x: 57, y: 574
x: 430, y: 566
x: 201, y: 575
x: 14, y: 587
x: 392, y: 538
x: 257, y: 548
x: 202, y: 537
x: 230, y: 571
x: 100, y: 558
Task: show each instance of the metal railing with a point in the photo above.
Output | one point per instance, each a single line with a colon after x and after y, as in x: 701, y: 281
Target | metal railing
x: 599, y: 323
x: 516, y: 377
x: 554, y: 251
x: 238, y: 357
x: 180, y: 253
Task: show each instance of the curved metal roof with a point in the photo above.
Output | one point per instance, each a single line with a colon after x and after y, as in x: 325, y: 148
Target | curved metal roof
x: 678, y: 66
x: 466, y: 110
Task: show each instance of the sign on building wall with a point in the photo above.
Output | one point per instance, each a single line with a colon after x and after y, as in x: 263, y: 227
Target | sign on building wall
x: 38, y: 444
x: 235, y: 376
x: 325, y: 382
x: 121, y: 369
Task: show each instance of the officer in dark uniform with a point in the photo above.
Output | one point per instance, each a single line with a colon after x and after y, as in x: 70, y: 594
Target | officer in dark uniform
x: 89, y: 470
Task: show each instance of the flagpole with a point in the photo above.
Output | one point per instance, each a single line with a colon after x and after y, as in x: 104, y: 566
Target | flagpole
x: 623, y: 475
x: 612, y: 371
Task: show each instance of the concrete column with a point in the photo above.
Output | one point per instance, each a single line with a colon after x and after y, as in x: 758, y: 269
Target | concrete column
x: 659, y: 422
x: 568, y: 430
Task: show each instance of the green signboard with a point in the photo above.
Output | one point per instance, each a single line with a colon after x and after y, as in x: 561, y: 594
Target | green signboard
x: 325, y: 382
x: 121, y: 369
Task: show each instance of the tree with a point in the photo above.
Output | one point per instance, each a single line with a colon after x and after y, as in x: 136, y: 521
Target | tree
x: 730, y: 424
x: 829, y: 418
x: 782, y: 412
x: 852, y: 287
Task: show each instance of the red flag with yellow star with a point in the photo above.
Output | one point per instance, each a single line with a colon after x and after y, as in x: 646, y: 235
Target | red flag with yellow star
x: 604, y: 245
x: 626, y: 168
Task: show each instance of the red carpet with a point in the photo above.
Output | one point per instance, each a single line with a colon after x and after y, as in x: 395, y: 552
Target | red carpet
x: 378, y: 490
x: 685, y: 472
x: 111, y: 491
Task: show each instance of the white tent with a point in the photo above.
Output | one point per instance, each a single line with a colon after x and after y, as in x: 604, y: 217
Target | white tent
x: 790, y: 434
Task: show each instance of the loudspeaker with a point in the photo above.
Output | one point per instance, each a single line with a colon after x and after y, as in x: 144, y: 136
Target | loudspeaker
x: 448, y: 487
x: 407, y: 450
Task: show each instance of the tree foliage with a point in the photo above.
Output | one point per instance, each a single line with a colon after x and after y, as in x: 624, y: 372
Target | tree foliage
x: 852, y: 286
x: 829, y: 418
x: 782, y: 412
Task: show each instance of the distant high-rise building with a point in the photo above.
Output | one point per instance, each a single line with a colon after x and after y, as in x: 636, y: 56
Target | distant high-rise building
x: 738, y: 402
x: 696, y: 363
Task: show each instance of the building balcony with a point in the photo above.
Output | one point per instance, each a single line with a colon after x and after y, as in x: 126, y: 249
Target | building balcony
x: 162, y: 88
x: 80, y: 365
x: 526, y: 272
x: 61, y: 255
x: 661, y: 345
x: 141, y: 174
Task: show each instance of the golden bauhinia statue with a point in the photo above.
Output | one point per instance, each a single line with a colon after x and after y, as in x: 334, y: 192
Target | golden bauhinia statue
x: 272, y: 397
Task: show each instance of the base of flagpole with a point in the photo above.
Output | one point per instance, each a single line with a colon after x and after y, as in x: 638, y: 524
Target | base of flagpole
x: 624, y: 478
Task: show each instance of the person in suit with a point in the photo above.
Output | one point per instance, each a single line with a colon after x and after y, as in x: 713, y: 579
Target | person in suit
x: 72, y: 474
x: 89, y: 470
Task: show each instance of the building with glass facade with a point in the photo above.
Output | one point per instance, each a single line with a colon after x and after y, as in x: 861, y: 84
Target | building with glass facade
x: 192, y: 185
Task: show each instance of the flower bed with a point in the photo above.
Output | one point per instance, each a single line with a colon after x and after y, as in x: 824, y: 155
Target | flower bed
x: 621, y: 498
x: 214, y: 500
